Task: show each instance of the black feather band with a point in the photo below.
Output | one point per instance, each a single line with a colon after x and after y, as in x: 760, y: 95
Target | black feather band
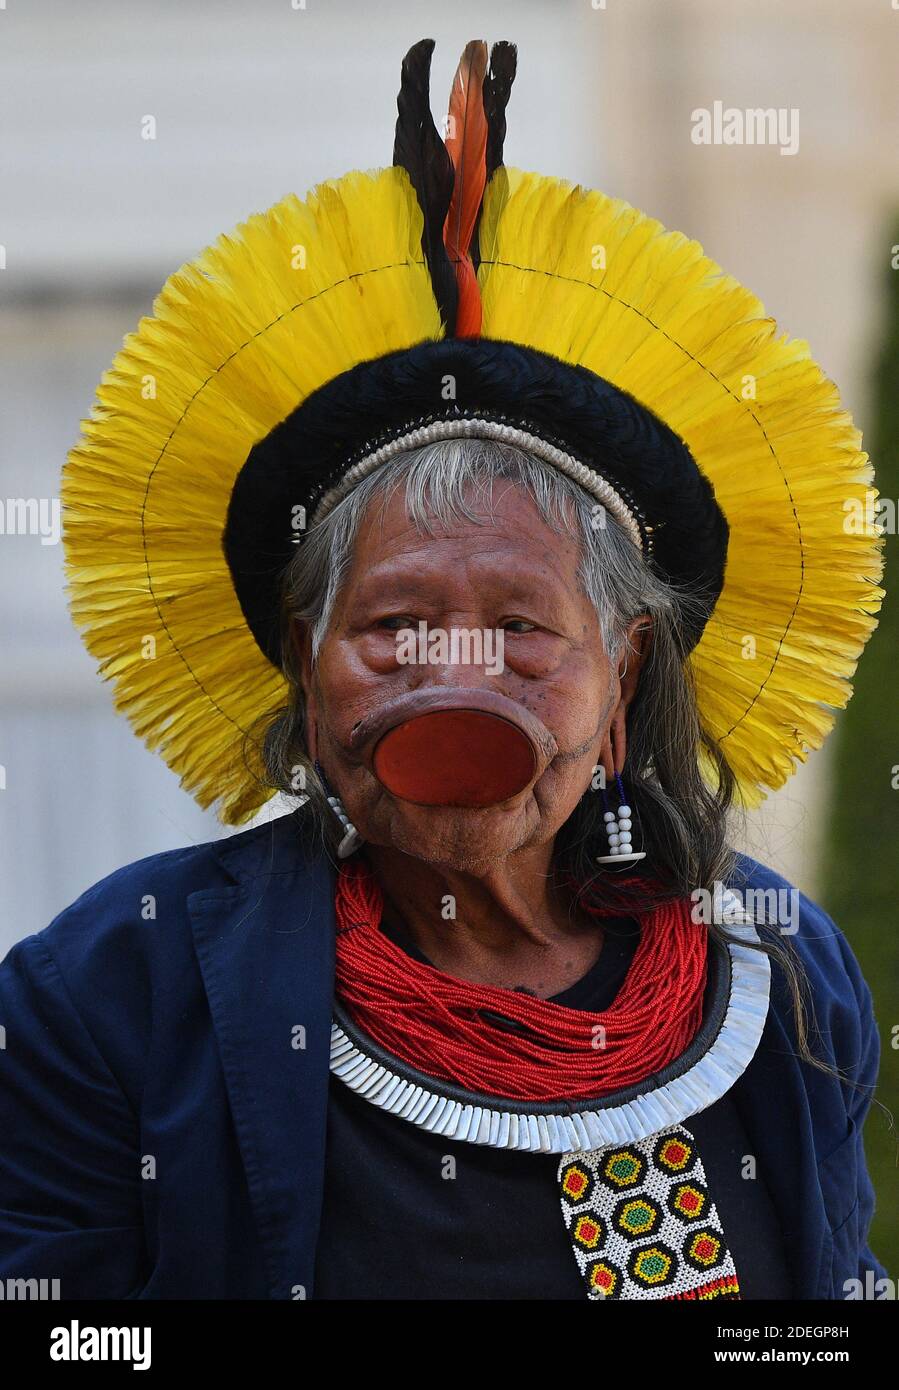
x: 376, y: 401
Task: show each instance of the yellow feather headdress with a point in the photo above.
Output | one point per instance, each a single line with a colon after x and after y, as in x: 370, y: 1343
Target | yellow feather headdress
x: 302, y: 293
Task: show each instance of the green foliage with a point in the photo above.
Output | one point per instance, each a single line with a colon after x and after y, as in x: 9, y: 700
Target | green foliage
x: 861, y: 875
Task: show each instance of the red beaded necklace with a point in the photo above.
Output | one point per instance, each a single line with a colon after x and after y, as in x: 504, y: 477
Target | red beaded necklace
x: 442, y: 1027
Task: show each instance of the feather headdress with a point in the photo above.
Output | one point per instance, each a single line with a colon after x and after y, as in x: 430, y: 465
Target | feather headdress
x: 267, y: 382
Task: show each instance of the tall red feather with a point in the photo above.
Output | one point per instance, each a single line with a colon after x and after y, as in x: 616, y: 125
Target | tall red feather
x: 466, y: 140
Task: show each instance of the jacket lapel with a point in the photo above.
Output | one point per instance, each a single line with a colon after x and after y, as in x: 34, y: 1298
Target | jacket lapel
x: 265, y: 946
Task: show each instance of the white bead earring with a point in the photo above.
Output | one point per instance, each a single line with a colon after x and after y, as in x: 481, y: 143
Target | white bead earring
x: 351, y: 837
x: 618, y: 828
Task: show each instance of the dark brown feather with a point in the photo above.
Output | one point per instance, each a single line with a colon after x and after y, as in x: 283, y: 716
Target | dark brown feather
x: 419, y: 149
x: 497, y: 87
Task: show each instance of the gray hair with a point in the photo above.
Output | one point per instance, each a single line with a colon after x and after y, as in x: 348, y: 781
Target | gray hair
x: 681, y: 819
x: 453, y: 479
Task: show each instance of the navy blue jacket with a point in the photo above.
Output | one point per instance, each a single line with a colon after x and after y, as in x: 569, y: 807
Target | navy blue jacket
x: 165, y: 1077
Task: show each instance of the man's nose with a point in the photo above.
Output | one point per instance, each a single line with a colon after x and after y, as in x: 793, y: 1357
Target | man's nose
x: 463, y: 656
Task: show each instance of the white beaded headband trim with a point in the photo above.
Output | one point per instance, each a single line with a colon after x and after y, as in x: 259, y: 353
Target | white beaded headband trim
x: 668, y: 1104
x: 463, y: 428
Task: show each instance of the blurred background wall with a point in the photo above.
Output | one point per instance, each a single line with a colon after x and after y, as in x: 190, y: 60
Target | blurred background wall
x: 253, y: 101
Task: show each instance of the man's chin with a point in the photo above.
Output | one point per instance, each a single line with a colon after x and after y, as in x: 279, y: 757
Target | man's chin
x: 470, y: 840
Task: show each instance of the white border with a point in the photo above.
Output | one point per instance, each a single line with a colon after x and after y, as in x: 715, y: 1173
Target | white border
x: 467, y: 428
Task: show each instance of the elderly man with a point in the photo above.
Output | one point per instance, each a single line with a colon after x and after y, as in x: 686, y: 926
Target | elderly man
x: 458, y: 1026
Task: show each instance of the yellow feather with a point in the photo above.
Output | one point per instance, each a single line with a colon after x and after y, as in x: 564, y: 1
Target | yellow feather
x: 300, y: 293
x: 238, y: 338
x: 591, y: 280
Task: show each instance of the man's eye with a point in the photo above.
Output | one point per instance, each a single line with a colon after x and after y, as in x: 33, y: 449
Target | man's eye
x: 519, y: 625
x: 396, y: 623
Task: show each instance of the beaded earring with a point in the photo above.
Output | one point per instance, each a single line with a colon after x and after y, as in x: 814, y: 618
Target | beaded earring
x: 351, y: 837
x: 618, y: 829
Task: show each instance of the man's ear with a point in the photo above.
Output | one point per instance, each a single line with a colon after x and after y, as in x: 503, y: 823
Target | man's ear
x: 633, y: 655
x: 301, y: 641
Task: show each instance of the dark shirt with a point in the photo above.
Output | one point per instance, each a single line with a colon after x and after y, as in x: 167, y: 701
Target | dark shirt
x: 413, y: 1215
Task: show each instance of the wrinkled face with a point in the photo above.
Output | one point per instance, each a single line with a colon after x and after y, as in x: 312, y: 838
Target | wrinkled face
x: 513, y: 574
